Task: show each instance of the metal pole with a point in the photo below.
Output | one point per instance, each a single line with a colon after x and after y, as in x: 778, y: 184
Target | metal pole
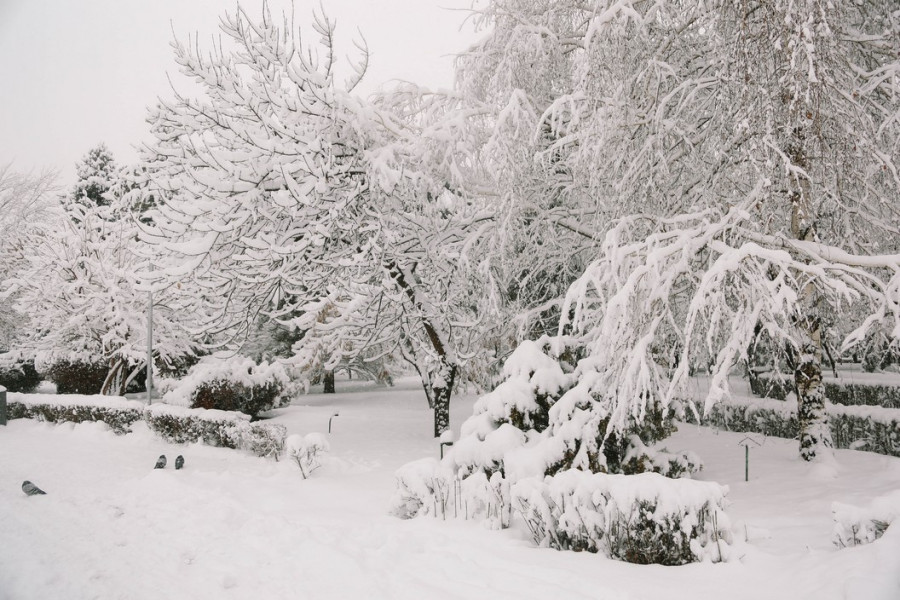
x: 747, y: 462
x: 2, y: 405
x: 150, y: 350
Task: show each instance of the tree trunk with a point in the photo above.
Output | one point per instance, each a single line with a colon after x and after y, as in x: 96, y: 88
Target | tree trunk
x: 441, y: 389
x: 438, y: 385
x: 113, y: 385
x: 815, y: 435
x: 328, y: 382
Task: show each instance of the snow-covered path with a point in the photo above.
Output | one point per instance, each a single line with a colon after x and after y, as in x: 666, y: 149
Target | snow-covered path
x: 234, y: 526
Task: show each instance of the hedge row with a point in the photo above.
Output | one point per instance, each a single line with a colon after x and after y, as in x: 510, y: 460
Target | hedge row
x: 173, y: 424
x: 181, y: 425
x: 847, y: 393
x: 869, y: 428
x: 118, y: 413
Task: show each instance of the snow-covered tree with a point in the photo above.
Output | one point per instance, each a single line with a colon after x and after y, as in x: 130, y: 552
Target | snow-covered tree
x: 26, y: 200
x: 84, y: 304
x: 96, y: 173
x: 285, y: 195
x: 739, y: 162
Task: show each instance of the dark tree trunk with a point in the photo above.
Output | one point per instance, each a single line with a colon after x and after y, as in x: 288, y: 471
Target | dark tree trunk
x: 328, y: 382
x: 441, y: 389
x: 438, y: 385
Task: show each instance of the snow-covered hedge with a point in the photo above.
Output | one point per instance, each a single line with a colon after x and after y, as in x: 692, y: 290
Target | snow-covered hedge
x: 870, y: 428
x: 120, y: 414
x: 643, y: 519
x: 233, y: 384
x: 854, y: 526
x: 876, y: 391
x: 177, y: 424
x: 174, y: 424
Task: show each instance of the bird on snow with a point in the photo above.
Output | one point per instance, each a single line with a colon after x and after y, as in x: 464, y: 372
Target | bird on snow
x: 31, y: 489
x: 179, y: 462
x: 161, y: 462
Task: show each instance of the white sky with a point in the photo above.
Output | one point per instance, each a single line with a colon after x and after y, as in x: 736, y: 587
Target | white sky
x: 74, y: 73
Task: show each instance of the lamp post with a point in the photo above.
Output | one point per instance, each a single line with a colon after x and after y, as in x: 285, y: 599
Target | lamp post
x: 150, y: 349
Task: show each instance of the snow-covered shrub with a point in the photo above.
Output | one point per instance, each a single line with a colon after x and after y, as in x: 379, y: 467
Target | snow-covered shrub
x: 307, y: 451
x: 120, y: 414
x: 181, y: 425
x: 18, y: 376
x: 644, y: 519
x: 234, y: 384
x: 77, y: 377
x: 854, y: 526
x: 422, y: 488
x: 869, y: 428
x: 542, y: 420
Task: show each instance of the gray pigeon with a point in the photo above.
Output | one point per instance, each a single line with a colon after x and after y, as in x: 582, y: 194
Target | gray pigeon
x: 179, y: 462
x: 31, y: 489
x: 161, y: 462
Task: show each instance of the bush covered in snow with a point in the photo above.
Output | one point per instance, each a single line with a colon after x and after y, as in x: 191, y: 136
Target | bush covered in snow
x: 546, y: 417
x: 120, y: 414
x: 306, y: 451
x: 546, y: 420
x: 75, y: 377
x: 854, y: 526
x: 644, y: 519
x: 18, y: 376
x: 869, y: 428
x: 234, y: 384
x: 181, y: 425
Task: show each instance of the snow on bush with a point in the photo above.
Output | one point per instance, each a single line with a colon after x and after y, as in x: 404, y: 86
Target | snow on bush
x: 307, y: 451
x: 120, y: 414
x: 644, y: 519
x: 179, y: 425
x: 18, y: 376
x: 234, y: 384
x: 545, y: 419
x: 870, y: 428
x: 854, y: 526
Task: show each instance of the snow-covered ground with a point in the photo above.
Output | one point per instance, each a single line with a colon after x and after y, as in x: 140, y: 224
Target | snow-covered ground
x: 234, y: 526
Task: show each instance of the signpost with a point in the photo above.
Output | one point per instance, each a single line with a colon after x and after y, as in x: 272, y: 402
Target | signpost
x: 746, y: 442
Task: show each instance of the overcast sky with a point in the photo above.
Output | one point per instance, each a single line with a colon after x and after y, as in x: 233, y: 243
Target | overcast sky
x: 74, y: 73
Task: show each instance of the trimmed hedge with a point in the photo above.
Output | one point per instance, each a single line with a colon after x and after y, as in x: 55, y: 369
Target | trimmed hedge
x: 870, y: 428
x: 847, y: 393
x: 118, y: 413
x: 181, y: 425
x: 173, y: 424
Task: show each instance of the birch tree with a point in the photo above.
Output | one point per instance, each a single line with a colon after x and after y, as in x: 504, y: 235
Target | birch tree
x: 739, y: 162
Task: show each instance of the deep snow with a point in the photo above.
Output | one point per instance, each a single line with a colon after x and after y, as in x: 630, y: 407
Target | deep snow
x: 234, y: 526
